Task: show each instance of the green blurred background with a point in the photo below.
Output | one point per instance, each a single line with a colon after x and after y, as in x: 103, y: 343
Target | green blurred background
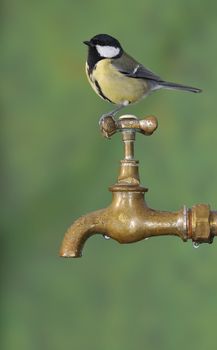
x: 55, y: 166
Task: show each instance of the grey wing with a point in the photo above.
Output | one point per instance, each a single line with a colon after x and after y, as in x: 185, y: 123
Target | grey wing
x: 131, y: 68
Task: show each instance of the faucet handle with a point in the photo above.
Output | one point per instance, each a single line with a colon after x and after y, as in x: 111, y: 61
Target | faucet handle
x: 109, y: 126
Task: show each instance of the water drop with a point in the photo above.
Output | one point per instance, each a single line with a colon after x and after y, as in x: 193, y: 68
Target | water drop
x: 196, y: 245
x: 106, y: 237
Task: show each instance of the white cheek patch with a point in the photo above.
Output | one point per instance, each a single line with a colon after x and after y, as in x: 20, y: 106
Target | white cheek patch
x: 108, y: 51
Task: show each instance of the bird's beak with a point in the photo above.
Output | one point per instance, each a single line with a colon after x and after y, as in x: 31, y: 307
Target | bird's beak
x: 88, y: 43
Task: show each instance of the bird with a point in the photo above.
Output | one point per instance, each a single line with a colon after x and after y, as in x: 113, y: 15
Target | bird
x: 118, y: 78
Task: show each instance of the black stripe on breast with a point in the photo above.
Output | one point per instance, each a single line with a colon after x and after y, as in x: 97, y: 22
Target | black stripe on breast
x: 100, y: 91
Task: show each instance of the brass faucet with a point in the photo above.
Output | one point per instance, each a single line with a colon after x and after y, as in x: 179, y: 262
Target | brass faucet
x: 128, y: 219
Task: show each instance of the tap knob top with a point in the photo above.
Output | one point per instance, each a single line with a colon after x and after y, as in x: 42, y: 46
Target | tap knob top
x: 109, y: 126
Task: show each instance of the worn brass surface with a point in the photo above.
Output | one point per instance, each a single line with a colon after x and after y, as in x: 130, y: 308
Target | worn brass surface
x: 199, y: 220
x: 128, y: 219
x: 213, y: 224
x: 109, y: 126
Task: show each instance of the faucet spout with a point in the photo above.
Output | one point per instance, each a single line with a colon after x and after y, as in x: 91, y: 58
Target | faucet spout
x: 80, y: 231
x: 126, y: 220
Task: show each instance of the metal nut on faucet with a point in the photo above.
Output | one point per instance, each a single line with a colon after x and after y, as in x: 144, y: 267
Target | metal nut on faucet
x: 200, y: 225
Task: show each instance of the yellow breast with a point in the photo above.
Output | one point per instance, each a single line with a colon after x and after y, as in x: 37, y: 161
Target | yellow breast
x: 117, y: 87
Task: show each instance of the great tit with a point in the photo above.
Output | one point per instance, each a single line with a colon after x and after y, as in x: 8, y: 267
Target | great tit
x: 117, y: 77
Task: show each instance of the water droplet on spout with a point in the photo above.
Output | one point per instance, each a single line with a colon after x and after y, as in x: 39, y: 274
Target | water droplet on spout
x: 196, y: 245
x: 106, y: 237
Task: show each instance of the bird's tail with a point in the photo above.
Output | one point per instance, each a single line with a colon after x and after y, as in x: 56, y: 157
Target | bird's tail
x: 174, y: 86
